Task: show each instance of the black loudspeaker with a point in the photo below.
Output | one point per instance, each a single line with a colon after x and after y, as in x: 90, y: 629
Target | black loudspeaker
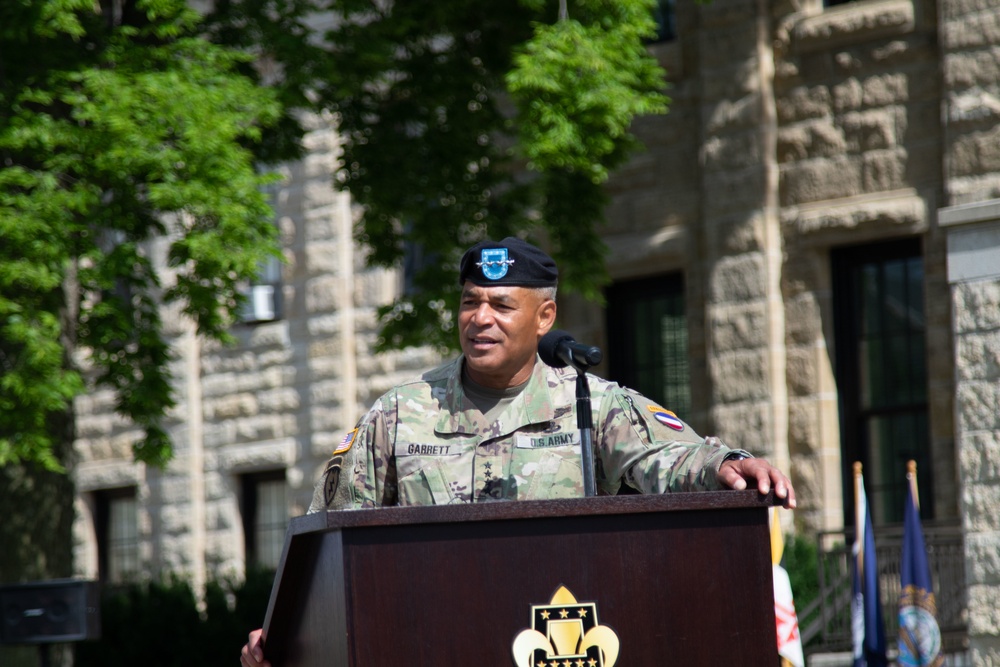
x: 43, y: 612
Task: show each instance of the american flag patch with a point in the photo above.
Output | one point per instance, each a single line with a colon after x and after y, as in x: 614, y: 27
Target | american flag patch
x: 346, y: 443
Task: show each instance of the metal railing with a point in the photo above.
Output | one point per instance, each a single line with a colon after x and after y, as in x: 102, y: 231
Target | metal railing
x: 825, y: 623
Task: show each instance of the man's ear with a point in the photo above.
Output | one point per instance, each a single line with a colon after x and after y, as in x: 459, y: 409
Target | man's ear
x: 546, y: 316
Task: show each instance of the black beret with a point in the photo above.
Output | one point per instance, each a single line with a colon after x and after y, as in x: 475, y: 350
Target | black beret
x: 510, y: 262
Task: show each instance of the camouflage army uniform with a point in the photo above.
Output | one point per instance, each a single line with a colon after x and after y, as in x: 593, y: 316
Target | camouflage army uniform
x: 425, y: 443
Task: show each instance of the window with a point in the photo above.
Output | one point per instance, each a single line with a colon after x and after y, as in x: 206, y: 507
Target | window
x: 665, y: 15
x: 263, y: 302
x: 117, y: 530
x: 416, y: 260
x: 265, y: 517
x: 263, y: 295
x: 881, y: 368
x: 647, y: 339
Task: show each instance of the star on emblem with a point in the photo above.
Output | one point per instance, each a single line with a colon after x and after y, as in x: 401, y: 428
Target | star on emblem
x: 546, y: 614
x: 563, y: 613
x: 582, y: 612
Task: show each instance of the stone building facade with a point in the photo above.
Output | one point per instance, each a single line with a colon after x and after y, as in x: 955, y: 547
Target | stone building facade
x: 803, y: 143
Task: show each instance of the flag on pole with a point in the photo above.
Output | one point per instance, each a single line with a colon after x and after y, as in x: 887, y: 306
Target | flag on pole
x: 867, y: 627
x: 919, y: 634
x: 789, y: 641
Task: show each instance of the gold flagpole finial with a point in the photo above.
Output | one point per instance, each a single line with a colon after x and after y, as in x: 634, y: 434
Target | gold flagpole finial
x: 911, y: 477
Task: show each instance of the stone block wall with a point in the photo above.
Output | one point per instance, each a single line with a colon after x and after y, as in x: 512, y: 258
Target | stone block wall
x: 859, y: 151
x: 281, y: 398
x: 792, y: 130
x: 970, y: 45
x: 973, y: 249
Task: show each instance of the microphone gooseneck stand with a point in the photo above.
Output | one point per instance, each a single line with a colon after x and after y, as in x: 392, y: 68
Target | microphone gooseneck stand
x: 585, y: 422
x: 558, y: 349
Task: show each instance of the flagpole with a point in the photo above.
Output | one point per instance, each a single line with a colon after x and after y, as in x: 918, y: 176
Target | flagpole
x: 857, y: 588
x: 859, y: 529
x: 919, y: 632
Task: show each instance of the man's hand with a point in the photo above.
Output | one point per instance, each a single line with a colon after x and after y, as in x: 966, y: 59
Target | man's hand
x: 252, y: 654
x: 737, y: 474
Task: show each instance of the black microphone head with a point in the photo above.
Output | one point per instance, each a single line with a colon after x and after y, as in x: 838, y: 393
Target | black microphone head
x: 549, y: 344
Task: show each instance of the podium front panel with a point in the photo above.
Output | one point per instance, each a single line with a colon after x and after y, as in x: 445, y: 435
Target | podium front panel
x: 674, y: 585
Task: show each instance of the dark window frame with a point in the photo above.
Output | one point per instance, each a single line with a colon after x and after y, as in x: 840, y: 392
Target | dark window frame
x: 250, y: 484
x: 665, y: 15
x: 623, y: 297
x: 888, y: 411
x: 103, y: 500
x: 267, y: 282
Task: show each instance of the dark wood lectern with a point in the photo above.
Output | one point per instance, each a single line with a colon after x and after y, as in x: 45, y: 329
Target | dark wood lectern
x: 680, y: 579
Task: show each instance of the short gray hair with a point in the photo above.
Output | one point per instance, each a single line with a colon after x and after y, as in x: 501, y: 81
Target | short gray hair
x: 546, y: 292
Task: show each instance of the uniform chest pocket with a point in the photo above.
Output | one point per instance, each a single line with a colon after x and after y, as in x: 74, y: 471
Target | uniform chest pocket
x: 547, y: 466
x: 433, y: 474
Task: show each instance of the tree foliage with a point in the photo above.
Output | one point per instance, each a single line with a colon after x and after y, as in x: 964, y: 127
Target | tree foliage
x: 464, y: 119
x: 120, y: 125
x: 126, y: 121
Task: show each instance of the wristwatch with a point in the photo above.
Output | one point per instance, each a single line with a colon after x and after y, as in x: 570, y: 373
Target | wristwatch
x: 737, y: 455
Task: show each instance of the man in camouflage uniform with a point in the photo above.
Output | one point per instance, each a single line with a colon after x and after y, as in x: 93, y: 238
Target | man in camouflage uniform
x: 498, y: 424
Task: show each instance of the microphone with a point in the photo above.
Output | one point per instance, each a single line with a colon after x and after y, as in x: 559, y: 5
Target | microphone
x: 558, y: 348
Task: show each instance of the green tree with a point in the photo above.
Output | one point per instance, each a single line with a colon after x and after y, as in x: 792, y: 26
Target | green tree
x: 463, y: 119
x: 120, y: 126
x: 124, y: 124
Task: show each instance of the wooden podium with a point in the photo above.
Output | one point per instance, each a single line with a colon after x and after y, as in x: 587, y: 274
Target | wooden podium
x: 678, y: 579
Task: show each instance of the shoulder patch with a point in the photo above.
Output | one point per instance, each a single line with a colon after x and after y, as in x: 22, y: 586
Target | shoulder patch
x: 666, y: 417
x: 332, y: 481
x: 346, y: 443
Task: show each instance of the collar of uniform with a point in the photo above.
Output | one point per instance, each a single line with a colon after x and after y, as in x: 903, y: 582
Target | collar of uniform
x: 458, y: 414
x: 533, y: 405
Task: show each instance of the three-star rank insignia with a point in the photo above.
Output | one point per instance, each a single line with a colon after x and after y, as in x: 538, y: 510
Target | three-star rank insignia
x: 565, y: 633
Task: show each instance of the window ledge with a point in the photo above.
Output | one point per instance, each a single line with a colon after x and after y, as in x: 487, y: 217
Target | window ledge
x: 853, y: 23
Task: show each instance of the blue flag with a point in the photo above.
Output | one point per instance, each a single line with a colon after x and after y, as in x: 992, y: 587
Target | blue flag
x: 867, y: 626
x: 919, y: 634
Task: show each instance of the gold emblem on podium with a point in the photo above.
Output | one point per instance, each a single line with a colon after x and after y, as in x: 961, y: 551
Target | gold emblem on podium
x: 565, y: 633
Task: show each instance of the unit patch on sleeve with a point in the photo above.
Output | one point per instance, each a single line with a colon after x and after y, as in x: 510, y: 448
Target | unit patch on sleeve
x: 666, y: 417
x: 332, y: 479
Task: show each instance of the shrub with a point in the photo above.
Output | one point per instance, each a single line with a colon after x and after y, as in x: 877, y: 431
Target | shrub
x: 159, y: 623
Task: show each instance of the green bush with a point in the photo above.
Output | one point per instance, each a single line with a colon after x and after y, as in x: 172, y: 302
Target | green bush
x: 800, y: 560
x: 159, y: 623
